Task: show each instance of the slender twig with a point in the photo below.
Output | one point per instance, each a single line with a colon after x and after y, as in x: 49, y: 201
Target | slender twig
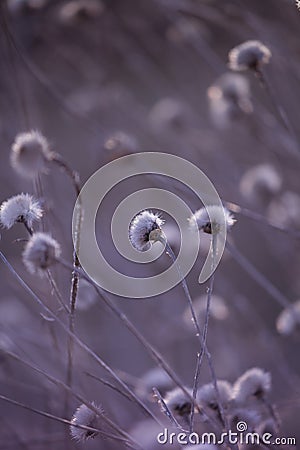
x: 156, y: 356
x: 165, y: 409
x: 61, y: 384
x: 200, y: 336
x: 108, y: 384
x: 78, y: 341
x: 64, y: 421
x: 257, y: 276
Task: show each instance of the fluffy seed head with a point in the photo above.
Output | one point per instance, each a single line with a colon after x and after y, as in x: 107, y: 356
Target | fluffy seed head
x: 249, y: 55
x: 140, y: 228
x: 254, y: 383
x: 85, y: 416
x: 211, y: 219
x: 20, y: 208
x: 218, y: 310
x: 120, y: 144
x: 178, y: 402
x: 157, y: 378
x: 260, y: 183
x: 41, y: 252
x: 229, y: 98
x: 207, y: 397
x: 75, y: 11
x: 289, y: 319
x: 298, y: 4
x: 168, y: 114
x: 30, y: 153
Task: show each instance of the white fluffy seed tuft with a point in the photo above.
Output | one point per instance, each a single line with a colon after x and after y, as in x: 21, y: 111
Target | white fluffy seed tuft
x: 178, y: 402
x: 212, y: 219
x: 30, y: 154
x: 207, y: 396
x: 20, y: 208
x: 88, y: 418
x: 140, y: 228
x: 249, y: 55
x: 254, y: 383
x: 40, y: 253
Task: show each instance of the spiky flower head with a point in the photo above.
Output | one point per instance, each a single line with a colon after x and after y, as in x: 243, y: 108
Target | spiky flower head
x: 178, y: 402
x: 30, y: 154
x: 249, y: 55
x: 144, y: 229
x: 207, y: 396
x: 20, y: 208
x: 254, y: 383
x: 40, y: 253
x: 88, y: 418
x: 289, y: 319
x: 211, y: 219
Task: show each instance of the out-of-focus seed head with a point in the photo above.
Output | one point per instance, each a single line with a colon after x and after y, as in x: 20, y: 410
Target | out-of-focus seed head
x: 229, y: 99
x: 255, y: 383
x: 207, y: 396
x: 20, y: 208
x: 168, y: 114
x: 157, y: 378
x: 289, y: 319
x: 260, y: 183
x: 212, y: 219
x: 284, y: 211
x: 218, y: 310
x: 40, y: 253
x: 74, y: 11
x: 178, y: 402
x: 249, y: 55
x: 142, y: 228
x: 87, y: 417
x: 30, y: 154
x: 120, y: 144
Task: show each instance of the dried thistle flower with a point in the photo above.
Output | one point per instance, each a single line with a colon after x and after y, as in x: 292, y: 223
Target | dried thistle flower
x: 207, y: 396
x: 178, y: 402
x: 260, y: 183
x: 249, y: 55
x: 289, y: 319
x: 211, y: 219
x: 41, y: 252
x: 20, y: 208
x: 229, y: 98
x: 30, y: 154
x: 85, y: 416
x: 144, y: 229
x: 254, y: 383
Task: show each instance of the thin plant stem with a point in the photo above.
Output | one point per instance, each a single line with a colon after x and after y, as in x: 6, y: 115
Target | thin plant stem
x: 278, y: 108
x: 61, y: 420
x: 78, y: 341
x: 111, y: 386
x: 200, y: 336
x: 59, y: 383
x: 258, y: 277
x: 156, y: 356
x: 165, y: 409
x: 259, y: 218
